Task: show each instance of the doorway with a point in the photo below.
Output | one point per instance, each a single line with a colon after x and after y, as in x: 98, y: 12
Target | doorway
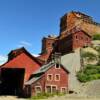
x: 12, y: 80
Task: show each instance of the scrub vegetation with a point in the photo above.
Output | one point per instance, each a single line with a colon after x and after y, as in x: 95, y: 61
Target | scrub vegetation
x: 96, y: 37
x: 46, y: 95
x: 90, y: 72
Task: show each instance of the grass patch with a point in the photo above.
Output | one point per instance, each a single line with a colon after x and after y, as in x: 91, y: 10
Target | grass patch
x: 46, y: 95
x: 96, y: 37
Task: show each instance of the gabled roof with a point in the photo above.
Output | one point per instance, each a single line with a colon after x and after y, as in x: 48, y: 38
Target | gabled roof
x: 42, y: 70
x: 26, y: 52
x: 32, y: 80
x: 17, y: 50
x: 45, y: 67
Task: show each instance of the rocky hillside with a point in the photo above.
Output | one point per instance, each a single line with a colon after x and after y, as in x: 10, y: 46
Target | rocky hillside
x: 91, y: 88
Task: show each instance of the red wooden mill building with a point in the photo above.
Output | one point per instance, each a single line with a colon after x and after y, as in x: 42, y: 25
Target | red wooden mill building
x: 50, y: 78
x: 24, y: 74
x: 20, y: 65
x: 28, y: 75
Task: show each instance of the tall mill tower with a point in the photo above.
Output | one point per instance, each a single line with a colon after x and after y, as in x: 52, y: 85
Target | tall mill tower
x: 47, y: 44
x: 77, y: 19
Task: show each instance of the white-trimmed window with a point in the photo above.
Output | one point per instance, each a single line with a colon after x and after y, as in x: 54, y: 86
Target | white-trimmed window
x: 57, y: 77
x: 49, y: 77
x: 57, y: 66
x: 63, y: 89
x: 38, y: 89
x: 51, y: 88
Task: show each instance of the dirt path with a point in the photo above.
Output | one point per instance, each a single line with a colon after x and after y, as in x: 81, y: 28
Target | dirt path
x: 10, y: 98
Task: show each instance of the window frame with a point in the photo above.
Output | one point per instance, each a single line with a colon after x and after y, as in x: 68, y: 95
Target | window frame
x: 56, y: 66
x: 51, y: 88
x: 55, y: 77
x: 63, y: 88
x: 40, y: 89
x: 48, y: 77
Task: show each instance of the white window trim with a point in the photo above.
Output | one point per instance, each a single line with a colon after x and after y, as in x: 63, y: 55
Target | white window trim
x: 55, y: 77
x: 64, y: 88
x: 51, y: 77
x: 56, y: 67
x: 39, y: 87
x: 51, y: 87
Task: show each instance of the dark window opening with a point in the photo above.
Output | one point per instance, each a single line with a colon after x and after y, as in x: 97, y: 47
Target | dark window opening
x: 49, y: 77
x: 76, y: 37
x: 57, y: 77
x: 57, y: 66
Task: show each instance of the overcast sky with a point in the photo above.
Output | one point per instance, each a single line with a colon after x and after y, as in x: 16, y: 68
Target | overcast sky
x: 25, y: 22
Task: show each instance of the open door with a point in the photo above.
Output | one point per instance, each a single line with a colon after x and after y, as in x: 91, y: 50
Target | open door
x: 12, y: 80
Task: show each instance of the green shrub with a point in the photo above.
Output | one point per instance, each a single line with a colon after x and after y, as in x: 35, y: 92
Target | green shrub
x: 39, y: 96
x: 45, y: 95
x: 82, y: 77
x: 89, y: 73
x: 96, y: 76
x: 96, y: 37
x: 89, y: 66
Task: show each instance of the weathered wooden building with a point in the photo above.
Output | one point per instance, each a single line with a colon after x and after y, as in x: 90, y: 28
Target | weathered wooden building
x: 84, y: 21
x: 25, y: 74
x: 17, y: 70
x: 73, y: 40
x: 50, y: 78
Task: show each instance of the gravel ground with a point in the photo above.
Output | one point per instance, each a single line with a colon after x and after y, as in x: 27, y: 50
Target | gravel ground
x: 10, y: 98
x: 88, y: 91
x: 66, y: 97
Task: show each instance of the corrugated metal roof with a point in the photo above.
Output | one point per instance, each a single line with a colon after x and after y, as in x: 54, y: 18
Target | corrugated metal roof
x: 44, y: 68
x: 32, y: 80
